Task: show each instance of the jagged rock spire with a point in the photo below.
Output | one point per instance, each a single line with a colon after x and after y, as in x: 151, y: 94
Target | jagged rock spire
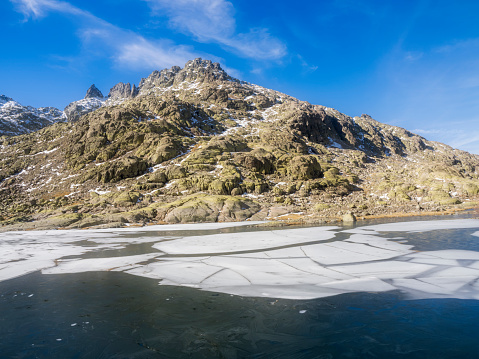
x: 122, y: 90
x: 93, y: 92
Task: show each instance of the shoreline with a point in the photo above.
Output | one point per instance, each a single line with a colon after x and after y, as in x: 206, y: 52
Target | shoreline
x: 287, y: 220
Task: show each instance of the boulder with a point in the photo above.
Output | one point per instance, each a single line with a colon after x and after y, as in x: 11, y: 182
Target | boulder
x: 304, y: 168
x: 127, y: 167
x: 210, y: 208
x: 349, y: 218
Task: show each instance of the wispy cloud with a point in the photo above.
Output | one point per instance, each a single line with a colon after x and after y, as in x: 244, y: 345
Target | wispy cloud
x: 456, y: 137
x: 468, y: 141
x: 124, y: 47
x: 41, y: 8
x: 412, y: 56
x: 440, y: 87
x: 214, y: 21
x: 204, y: 20
x: 462, y: 45
x: 426, y: 132
x: 143, y: 53
x: 307, y: 68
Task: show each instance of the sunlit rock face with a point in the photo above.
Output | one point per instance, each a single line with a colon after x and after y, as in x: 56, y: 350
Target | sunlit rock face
x: 300, y: 263
x: 194, y: 144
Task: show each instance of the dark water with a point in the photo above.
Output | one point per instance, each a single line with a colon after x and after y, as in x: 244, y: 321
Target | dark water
x: 116, y: 315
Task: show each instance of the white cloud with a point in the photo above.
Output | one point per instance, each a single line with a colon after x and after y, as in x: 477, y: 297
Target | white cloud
x: 143, y: 53
x: 307, y: 68
x: 454, y: 135
x: 30, y: 8
x: 467, y: 141
x: 412, y: 56
x: 126, y: 48
x: 257, y: 43
x: 462, y: 45
x: 426, y: 132
x: 205, y: 19
x: 40, y: 8
x: 213, y: 21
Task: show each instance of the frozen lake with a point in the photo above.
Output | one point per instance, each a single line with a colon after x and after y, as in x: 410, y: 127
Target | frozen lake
x: 399, y: 289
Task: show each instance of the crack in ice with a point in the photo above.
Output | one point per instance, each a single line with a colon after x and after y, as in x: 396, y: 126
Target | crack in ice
x: 300, y: 263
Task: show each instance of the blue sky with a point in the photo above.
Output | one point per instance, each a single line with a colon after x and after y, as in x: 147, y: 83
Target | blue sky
x: 413, y: 64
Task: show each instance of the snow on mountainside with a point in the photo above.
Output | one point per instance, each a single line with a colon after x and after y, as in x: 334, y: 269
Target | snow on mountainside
x: 16, y: 119
x: 194, y: 144
x: 76, y: 109
x: 93, y: 100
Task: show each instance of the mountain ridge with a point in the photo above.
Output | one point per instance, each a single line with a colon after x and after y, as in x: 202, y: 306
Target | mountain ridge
x: 195, y: 144
x: 17, y: 119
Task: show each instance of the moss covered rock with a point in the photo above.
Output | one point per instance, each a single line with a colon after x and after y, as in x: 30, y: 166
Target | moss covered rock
x: 210, y: 208
x: 127, y: 198
x: 304, y: 168
x: 127, y: 167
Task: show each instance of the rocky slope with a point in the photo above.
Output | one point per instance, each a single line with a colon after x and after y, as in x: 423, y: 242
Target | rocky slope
x: 16, y: 119
x: 195, y: 144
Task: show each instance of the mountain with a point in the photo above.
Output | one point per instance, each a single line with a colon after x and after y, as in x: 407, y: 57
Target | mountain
x: 16, y: 119
x: 92, y: 101
x: 194, y: 144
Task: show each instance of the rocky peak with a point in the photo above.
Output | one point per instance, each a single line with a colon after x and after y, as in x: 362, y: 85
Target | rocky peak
x: 93, y: 92
x: 93, y: 100
x: 208, y: 140
x: 122, y: 90
x: 161, y: 78
x: 4, y: 99
x: 203, y: 71
x: 366, y: 118
x: 196, y: 70
x: 200, y: 64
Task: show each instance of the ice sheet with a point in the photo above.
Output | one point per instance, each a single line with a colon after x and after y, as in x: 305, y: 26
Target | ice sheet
x: 181, y: 272
x: 17, y: 269
x: 435, y: 261
x: 380, y: 242
x: 270, y: 291
x: 455, y: 272
x: 344, y: 252
x: 372, y: 284
x: 419, y: 285
x: 384, y: 269
x: 447, y: 254
x: 418, y: 226
x: 97, y: 264
x: 247, y: 241
x: 264, y: 272
x: 300, y: 263
x: 188, y: 226
x: 448, y: 285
